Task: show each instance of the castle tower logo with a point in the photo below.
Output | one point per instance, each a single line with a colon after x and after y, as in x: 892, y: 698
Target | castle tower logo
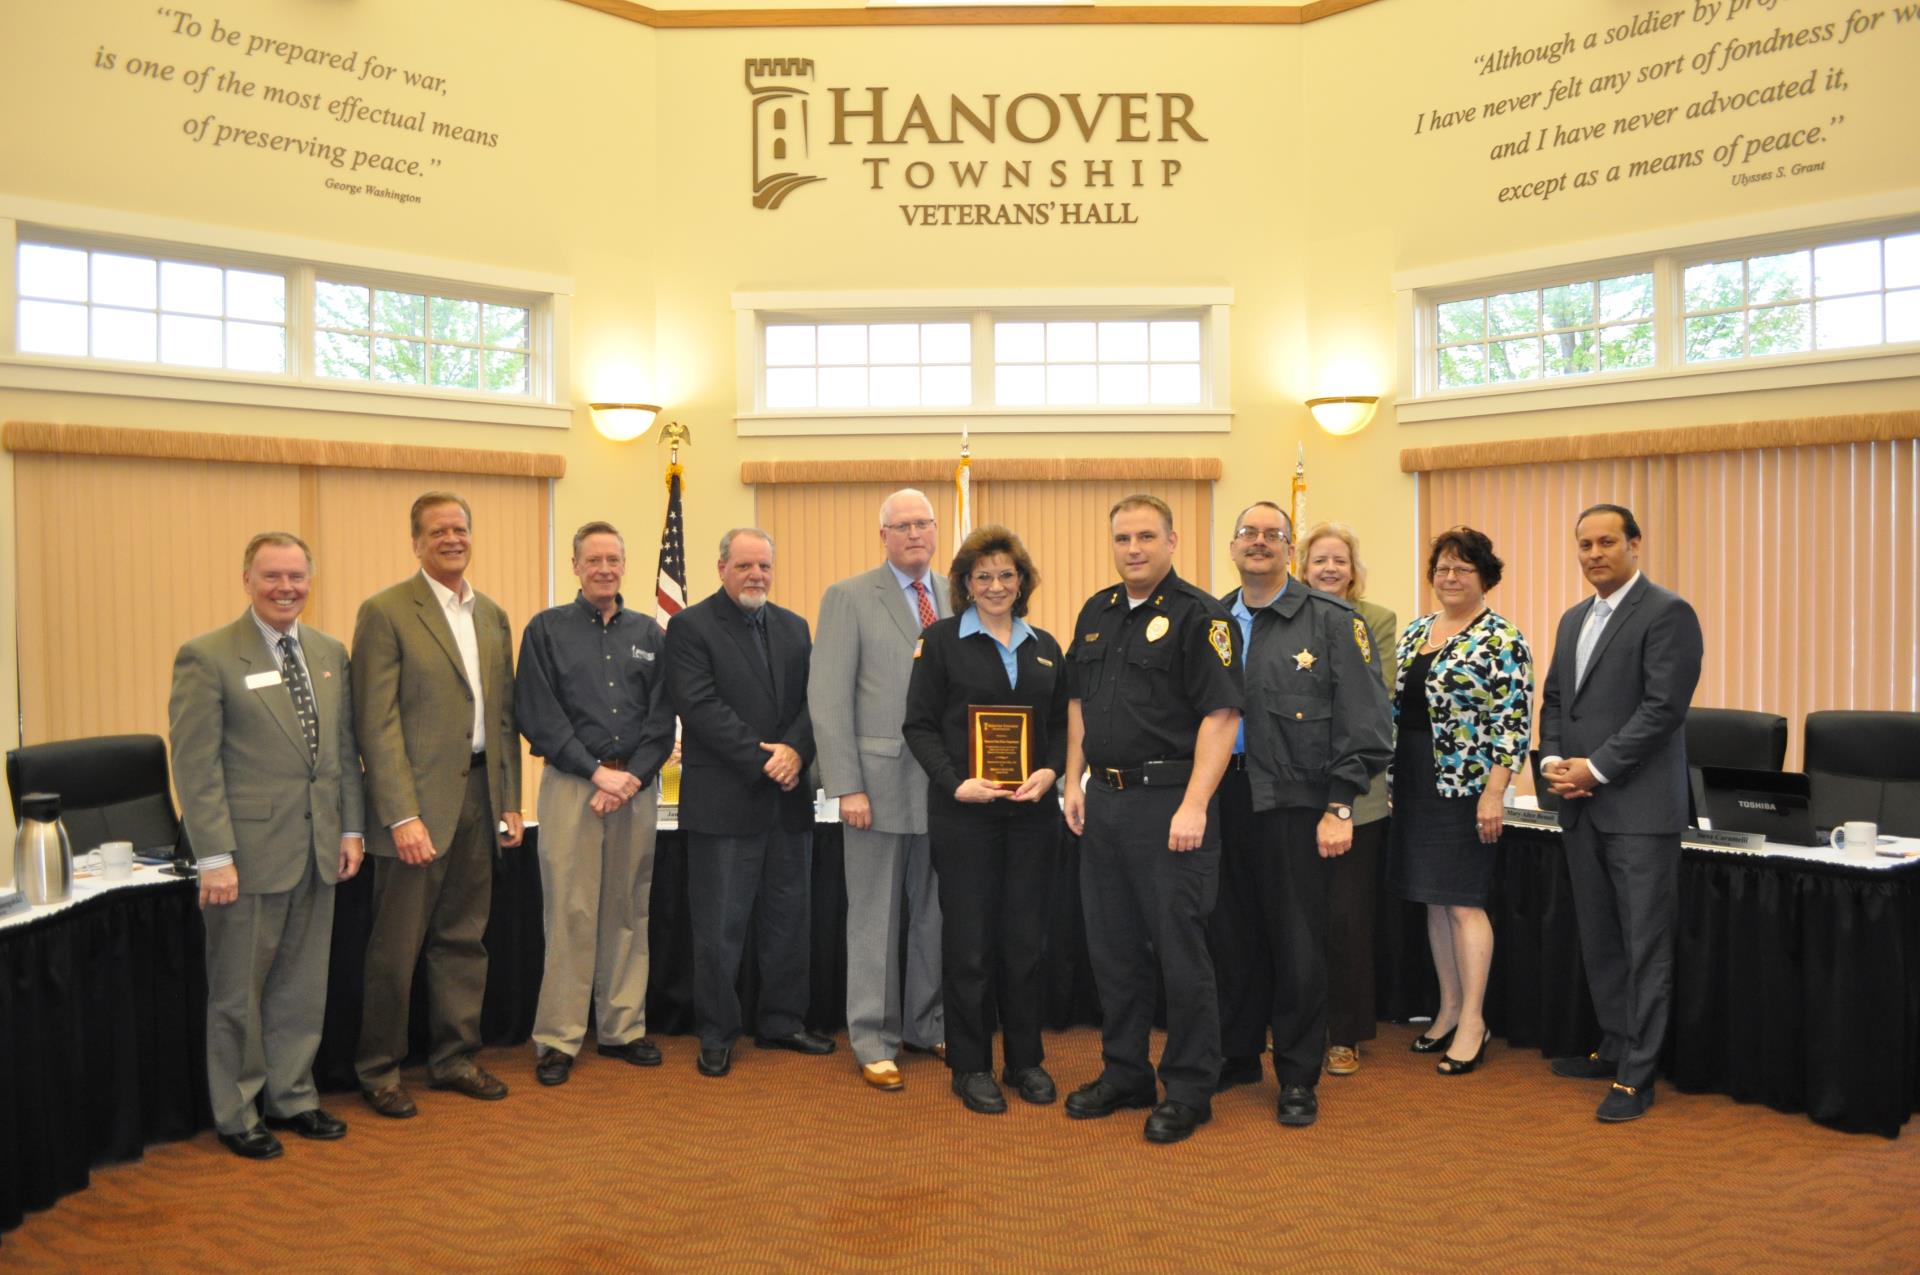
x: 780, y: 139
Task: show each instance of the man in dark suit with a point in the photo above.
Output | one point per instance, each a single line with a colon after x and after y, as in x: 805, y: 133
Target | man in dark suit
x: 1613, y: 744
x: 737, y: 675
x: 434, y: 715
x: 261, y: 720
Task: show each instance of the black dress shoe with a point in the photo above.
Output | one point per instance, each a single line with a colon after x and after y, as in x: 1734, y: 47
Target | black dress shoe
x: 315, y: 1124
x: 1425, y: 1044
x: 715, y: 1062
x: 641, y: 1052
x: 1451, y: 1066
x: 977, y: 1090
x: 1592, y: 1067
x: 1624, y: 1103
x: 255, y: 1144
x: 1175, y: 1121
x: 554, y: 1067
x: 800, y: 1042
x: 1299, y: 1106
x: 1033, y: 1084
x: 1103, y: 1098
x: 1238, y: 1071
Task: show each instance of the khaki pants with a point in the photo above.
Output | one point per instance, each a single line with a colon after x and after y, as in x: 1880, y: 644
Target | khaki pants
x: 596, y: 876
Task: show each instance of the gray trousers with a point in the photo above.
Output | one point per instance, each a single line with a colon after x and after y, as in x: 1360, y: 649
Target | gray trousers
x: 440, y: 907
x: 890, y: 888
x: 1625, y: 891
x: 266, y: 995
x: 766, y: 878
x: 596, y: 883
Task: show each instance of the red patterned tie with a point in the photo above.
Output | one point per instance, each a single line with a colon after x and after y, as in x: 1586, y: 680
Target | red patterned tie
x: 926, y: 604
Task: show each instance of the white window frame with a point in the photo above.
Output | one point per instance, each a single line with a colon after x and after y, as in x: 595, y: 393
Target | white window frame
x: 1420, y: 293
x: 754, y: 311
x: 547, y: 297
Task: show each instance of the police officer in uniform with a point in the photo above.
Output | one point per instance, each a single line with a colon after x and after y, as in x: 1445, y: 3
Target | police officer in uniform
x: 1318, y: 728
x: 1154, y: 709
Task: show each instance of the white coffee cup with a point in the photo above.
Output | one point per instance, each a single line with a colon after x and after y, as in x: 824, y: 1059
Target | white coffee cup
x: 1855, y: 837
x: 116, y: 860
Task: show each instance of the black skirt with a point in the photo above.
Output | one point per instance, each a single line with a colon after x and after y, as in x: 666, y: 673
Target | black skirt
x: 1434, y: 850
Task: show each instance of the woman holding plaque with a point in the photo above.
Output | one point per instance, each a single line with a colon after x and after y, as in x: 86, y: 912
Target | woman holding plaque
x: 987, y: 720
x: 1330, y: 562
x: 1463, y: 714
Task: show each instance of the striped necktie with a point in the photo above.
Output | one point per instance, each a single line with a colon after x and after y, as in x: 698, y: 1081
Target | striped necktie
x: 302, y: 692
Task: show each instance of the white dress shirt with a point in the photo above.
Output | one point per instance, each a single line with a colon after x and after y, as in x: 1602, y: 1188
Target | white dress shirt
x: 459, y: 612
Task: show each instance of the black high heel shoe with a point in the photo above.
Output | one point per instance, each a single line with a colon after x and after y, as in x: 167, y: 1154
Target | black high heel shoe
x: 1451, y: 1066
x: 1424, y: 1044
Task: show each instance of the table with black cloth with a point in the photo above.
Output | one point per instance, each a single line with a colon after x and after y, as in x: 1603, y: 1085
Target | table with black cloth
x: 1796, y: 983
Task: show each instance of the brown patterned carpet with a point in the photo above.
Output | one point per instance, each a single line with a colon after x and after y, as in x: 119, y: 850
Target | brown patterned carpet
x: 790, y: 1164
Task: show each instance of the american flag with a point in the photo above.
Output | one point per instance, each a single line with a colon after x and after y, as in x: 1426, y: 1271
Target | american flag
x: 670, y: 592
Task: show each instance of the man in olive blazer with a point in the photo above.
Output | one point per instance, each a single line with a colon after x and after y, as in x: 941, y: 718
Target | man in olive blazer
x: 261, y: 725
x: 434, y: 715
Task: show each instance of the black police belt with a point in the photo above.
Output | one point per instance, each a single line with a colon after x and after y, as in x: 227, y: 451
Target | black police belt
x: 1153, y: 774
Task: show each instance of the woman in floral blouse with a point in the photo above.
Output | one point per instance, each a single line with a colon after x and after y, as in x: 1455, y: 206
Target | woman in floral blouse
x: 1463, y: 716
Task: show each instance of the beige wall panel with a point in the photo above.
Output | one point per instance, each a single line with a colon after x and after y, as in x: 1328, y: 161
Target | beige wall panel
x: 1796, y: 560
x: 830, y: 532
x: 120, y: 562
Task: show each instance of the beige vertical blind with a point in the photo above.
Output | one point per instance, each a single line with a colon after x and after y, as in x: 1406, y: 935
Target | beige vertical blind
x: 1803, y: 562
x: 826, y: 531
x: 123, y: 558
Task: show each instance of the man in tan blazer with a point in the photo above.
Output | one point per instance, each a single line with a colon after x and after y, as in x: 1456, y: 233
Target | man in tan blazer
x: 261, y: 720
x: 434, y: 714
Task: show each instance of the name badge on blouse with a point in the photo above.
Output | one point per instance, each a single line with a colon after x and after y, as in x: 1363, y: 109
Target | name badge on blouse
x: 257, y: 680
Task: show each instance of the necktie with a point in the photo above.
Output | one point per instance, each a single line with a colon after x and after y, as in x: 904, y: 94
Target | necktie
x: 757, y: 625
x: 926, y: 604
x: 1589, y: 638
x: 302, y: 692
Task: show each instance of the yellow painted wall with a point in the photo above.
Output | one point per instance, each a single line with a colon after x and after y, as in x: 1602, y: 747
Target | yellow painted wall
x: 624, y: 163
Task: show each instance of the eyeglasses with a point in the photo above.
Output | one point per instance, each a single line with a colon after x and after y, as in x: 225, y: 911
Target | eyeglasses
x: 1272, y: 535
x: 1461, y: 572
x: 917, y: 527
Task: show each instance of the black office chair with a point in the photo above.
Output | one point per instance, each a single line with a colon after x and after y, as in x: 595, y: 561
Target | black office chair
x: 1865, y: 765
x: 1736, y: 737
x: 112, y: 788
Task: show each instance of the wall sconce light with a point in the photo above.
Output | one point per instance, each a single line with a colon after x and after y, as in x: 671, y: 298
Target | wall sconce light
x: 623, y: 422
x: 1344, y: 415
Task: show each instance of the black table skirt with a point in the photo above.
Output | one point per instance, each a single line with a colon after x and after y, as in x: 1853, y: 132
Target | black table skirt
x: 1798, y: 986
x: 102, y: 1040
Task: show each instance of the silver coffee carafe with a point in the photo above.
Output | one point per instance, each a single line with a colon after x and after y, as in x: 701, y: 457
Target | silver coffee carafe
x: 42, y: 854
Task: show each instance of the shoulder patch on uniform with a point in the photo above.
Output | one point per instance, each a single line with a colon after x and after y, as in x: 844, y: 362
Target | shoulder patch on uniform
x: 1361, y: 640
x: 919, y: 645
x: 1221, y: 640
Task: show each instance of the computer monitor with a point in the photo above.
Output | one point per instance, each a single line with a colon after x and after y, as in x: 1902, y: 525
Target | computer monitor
x: 1777, y: 804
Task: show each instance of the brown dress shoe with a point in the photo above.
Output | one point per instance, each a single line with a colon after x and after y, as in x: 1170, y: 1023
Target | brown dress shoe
x: 1343, y: 1060
x: 475, y: 1083
x: 393, y: 1102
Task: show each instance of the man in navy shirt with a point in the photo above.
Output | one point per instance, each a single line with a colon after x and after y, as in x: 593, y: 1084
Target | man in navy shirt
x: 591, y: 699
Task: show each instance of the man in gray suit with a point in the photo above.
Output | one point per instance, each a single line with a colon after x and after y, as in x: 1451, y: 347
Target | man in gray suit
x: 261, y: 720
x: 435, y: 721
x: 857, y: 695
x: 1613, y: 744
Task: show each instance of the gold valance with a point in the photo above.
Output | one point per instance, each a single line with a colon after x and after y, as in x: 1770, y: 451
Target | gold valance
x: 1805, y: 431
x: 1008, y: 469
x: 254, y: 449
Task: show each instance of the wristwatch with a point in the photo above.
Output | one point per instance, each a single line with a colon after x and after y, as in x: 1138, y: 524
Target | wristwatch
x: 1339, y: 811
